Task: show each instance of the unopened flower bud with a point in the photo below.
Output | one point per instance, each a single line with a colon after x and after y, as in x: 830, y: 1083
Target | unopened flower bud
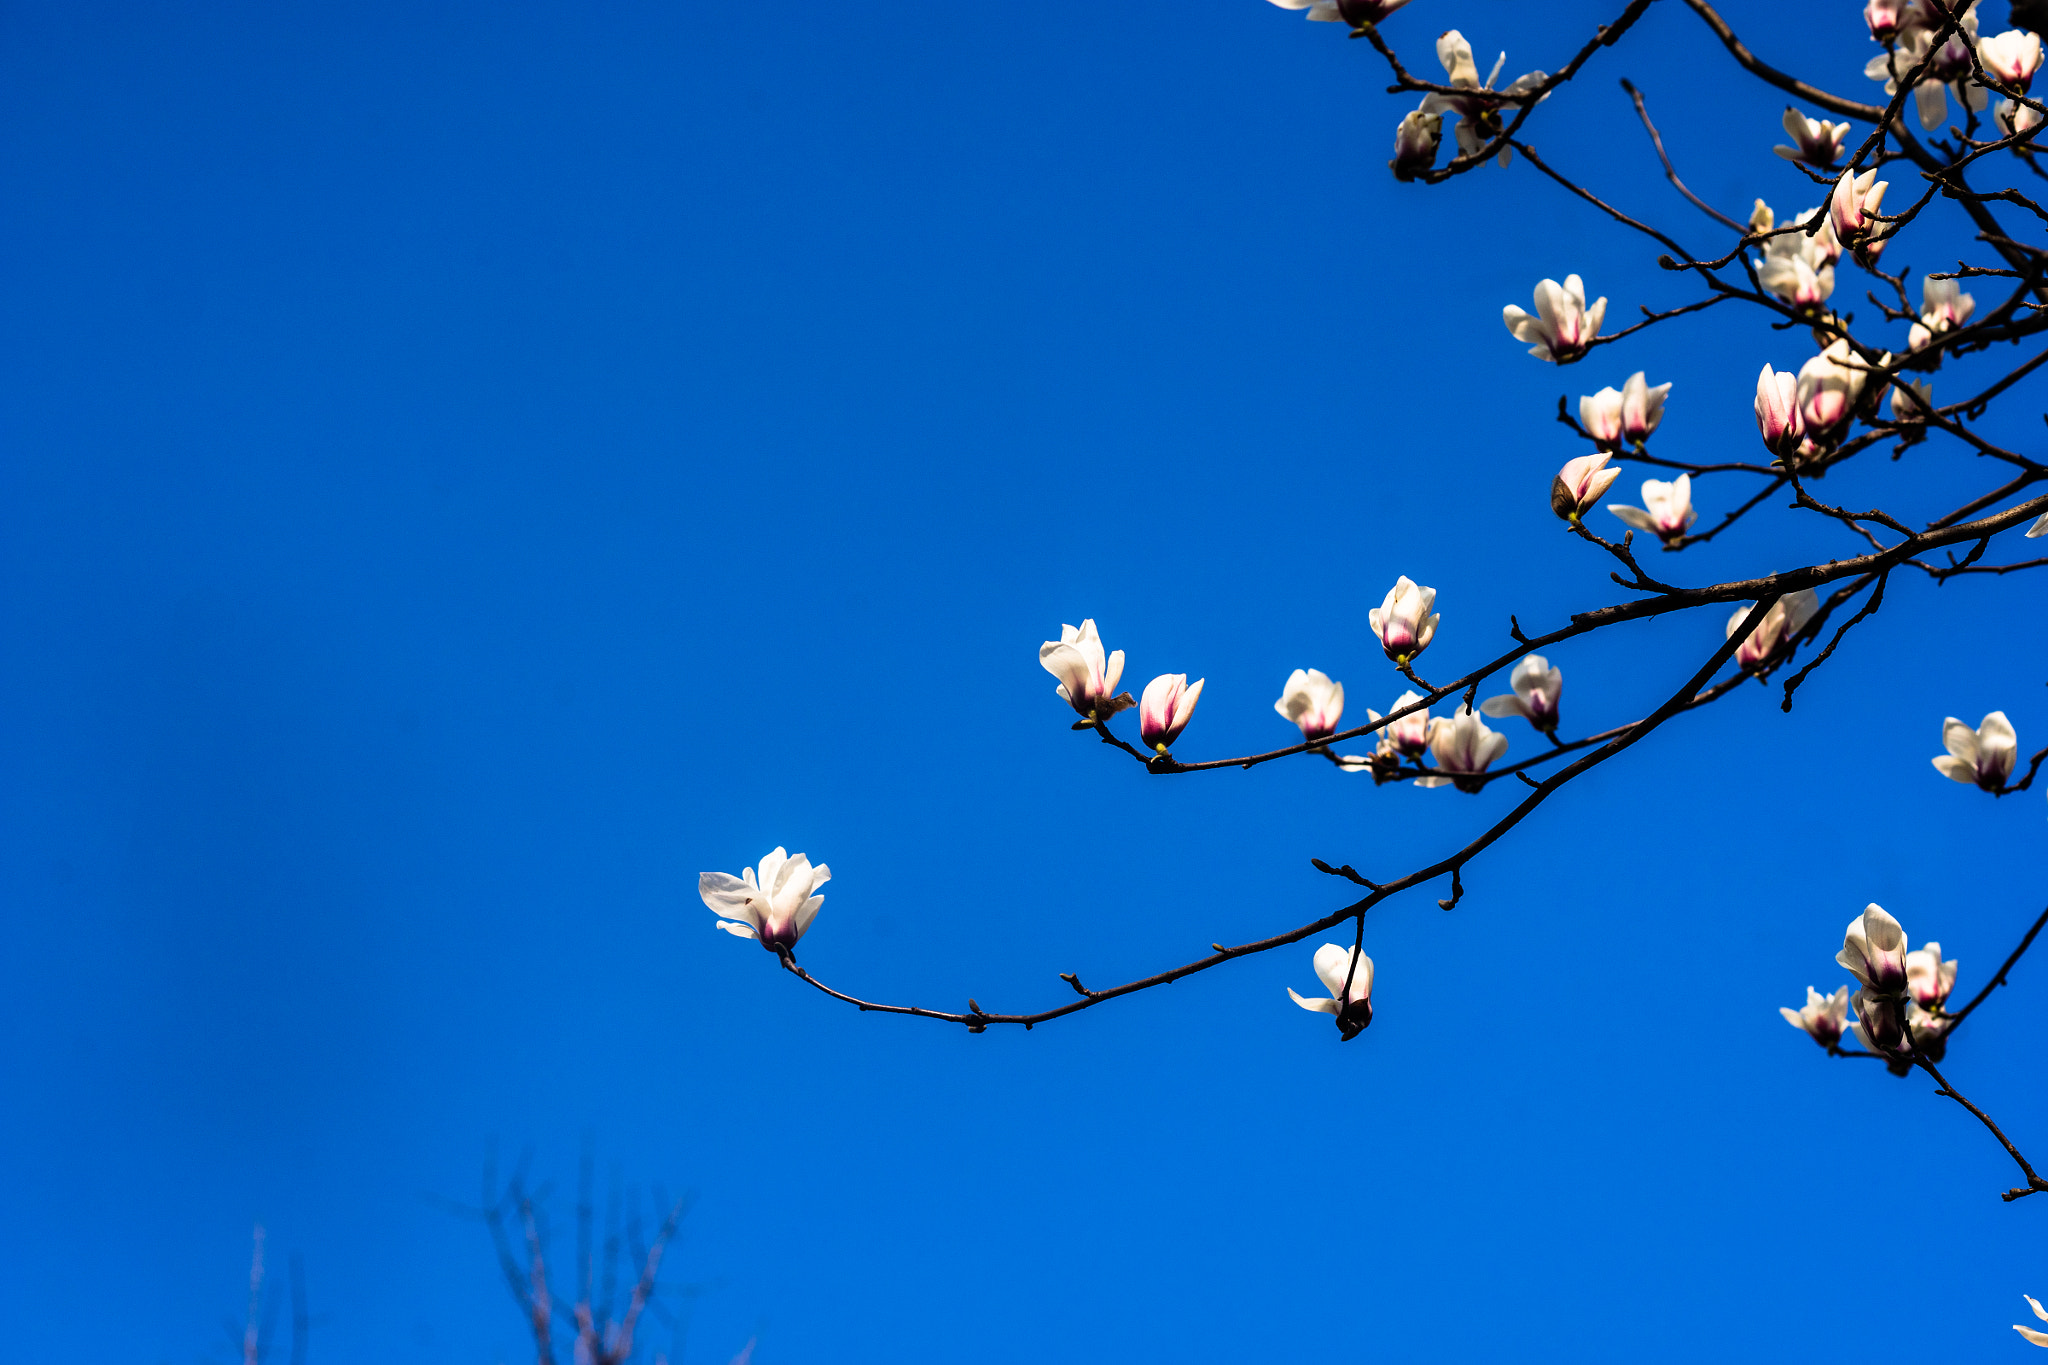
x: 1600, y: 415
x: 1777, y: 412
x: 1165, y: 709
x: 1577, y: 488
x: 1416, y: 140
x: 1880, y: 1023
x: 1404, y: 622
x: 1874, y: 952
x: 1642, y: 407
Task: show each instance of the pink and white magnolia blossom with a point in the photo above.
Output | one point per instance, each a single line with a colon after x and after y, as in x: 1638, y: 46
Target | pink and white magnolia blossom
x: 1642, y: 407
x: 1407, y: 737
x: 1357, y: 13
x: 1416, y: 139
x: 2038, y: 1338
x: 1948, y: 67
x: 1535, y: 698
x: 1943, y: 307
x: 1777, y: 411
x: 1830, y: 386
x: 1984, y: 756
x: 1313, y: 702
x: 1889, y: 18
x: 1600, y: 415
x: 2011, y: 57
x: 1460, y: 747
x: 1874, y: 951
x: 1929, y: 1032
x: 1477, y: 105
x: 1823, y: 1017
x: 1667, y: 508
x: 1786, y: 618
x: 1577, y: 487
x: 1166, y: 708
x: 1928, y: 978
x: 1880, y: 1023
x: 1404, y: 622
x: 775, y: 908
x: 1814, y: 141
x: 1852, y: 204
x: 1562, y: 326
x: 1797, y: 267
x: 1087, y: 680
x: 1352, y: 1003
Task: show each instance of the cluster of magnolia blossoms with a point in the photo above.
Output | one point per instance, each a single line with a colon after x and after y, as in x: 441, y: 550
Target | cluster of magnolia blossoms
x: 1939, y: 64
x: 1899, y: 1001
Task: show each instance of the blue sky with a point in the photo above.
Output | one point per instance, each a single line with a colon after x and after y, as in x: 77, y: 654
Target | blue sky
x: 468, y: 469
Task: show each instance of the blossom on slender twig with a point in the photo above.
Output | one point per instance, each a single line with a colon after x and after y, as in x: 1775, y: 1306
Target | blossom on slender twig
x: 1476, y: 105
x: 1852, y: 207
x: 1912, y: 400
x: 1984, y: 756
x: 1642, y: 407
x: 1874, y: 951
x: 2011, y: 57
x: 1667, y: 508
x: 1928, y: 978
x: 1943, y: 307
x: 1577, y: 487
x: 776, y: 908
x: 1405, y: 622
x: 1777, y: 411
x: 1786, y: 618
x: 1880, y: 1023
x: 1352, y: 1006
x: 1461, y: 747
x: 2038, y: 1338
x: 1563, y: 326
x: 1814, y: 141
x: 1087, y: 680
x: 1407, y: 737
x: 1416, y: 139
x: 1166, y: 708
x: 1824, y: 1016
x: 1313, y: 702
x: 1600, y: 415
x: 1830, y: 386
x: 1537, y: 687
x: 1947, y: 67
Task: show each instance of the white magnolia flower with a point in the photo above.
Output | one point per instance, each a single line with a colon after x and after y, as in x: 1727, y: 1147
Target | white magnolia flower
x: 1600, y: 415
x: 1563, y: 326
x: 1943, y: 307
x: 1416, y: 139
x: 1786, y: 618
x: 1793, y: 268
x: 1889, y: 18
x: 1912, y: 400
x: 1830, y: 386
x: 1405, y: 622
x: 2016, y: 118
x: 1929, y: 1032
x: 1537, y: 688
x: 2011, y: 57
x: 1777, y: 411
x: 1667, y: 508
x: 1874, y: 952
x: 776, y: 908
x: 1353, y: 1007
x: 1985, y: 755
x: 1815, y: 142
x: 1166, y: 708
x: 1948, y: 71
x: 1461, y: 746
x: 1823, y: 1017
x: 1880, y: 1023
x: 1929, y: 978
x: 1477, y: 106
x: 1577, y: 488
x: 1357, y: 13
x: 1642, y: 407
x: 2038, y: 1338
x: 1851, y: 206
x: 1408, y: 736
x: 1313, y: 702
x: 1087, y: 680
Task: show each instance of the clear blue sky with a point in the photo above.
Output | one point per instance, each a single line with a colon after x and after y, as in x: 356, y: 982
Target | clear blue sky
x: 465, y: 469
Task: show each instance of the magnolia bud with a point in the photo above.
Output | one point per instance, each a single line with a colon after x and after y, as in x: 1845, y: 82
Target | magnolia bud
x: 1415, y: 142
x: 1577, y: 488
x: 1777, y: 412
